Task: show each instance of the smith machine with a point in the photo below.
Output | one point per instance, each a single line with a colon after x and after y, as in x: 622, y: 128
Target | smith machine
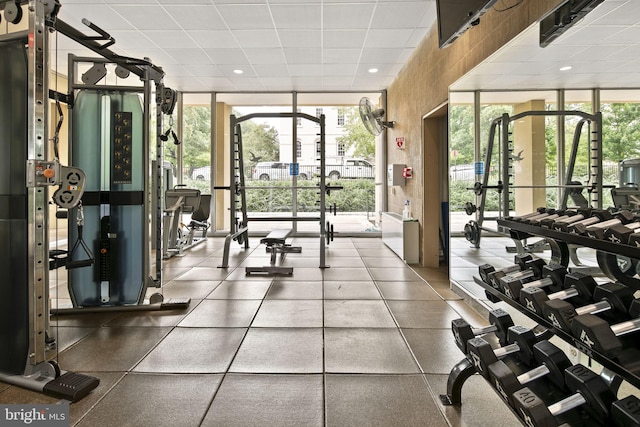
x: 238, y: 218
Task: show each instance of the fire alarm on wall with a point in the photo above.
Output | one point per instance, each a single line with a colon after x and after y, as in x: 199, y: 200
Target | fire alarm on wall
x: 400, y: 142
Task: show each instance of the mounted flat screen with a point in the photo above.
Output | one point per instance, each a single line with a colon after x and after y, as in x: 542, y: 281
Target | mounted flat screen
x: 457, y: 16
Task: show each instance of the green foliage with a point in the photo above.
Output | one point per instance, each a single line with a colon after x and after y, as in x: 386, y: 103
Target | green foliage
x: 356, y: 138
x: 356, y: 196
x: 260, y: 143
x: 196, y: 139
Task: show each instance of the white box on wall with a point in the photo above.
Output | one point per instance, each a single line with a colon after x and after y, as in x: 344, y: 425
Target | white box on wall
x: 394, y: 174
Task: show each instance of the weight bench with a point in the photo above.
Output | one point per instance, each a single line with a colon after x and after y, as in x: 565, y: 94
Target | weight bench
x: 276, y: 244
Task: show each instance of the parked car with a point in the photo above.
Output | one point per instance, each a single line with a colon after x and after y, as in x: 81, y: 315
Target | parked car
x: 201, y: 174
x: 266, y: 171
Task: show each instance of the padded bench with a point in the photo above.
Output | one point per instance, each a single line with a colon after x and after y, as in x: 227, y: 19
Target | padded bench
x: 276, y: 244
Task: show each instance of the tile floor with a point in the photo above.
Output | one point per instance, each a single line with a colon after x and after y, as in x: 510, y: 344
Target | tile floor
x: 363, y: 343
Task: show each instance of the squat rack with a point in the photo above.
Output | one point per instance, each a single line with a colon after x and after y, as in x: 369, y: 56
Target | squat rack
x: 505, y: 166
x: 239, y: 225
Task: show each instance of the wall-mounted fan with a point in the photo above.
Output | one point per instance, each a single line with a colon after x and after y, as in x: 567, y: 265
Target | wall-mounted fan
x: 372, y: 117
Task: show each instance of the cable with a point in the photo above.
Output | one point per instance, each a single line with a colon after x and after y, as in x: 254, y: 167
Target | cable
x: 518, y: 3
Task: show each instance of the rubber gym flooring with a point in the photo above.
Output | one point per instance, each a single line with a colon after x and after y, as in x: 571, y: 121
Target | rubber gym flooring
x: 366, y: 342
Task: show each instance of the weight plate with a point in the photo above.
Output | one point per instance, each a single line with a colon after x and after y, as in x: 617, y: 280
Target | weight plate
x: 13, y: 12
x: 469, y: 208
x: 472, y: 232
x: 477, y: 188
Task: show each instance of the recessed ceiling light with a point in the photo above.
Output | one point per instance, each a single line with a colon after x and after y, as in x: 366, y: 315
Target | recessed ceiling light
x: 566, y: 68
x: 373, y: 70
x: 238, y: 71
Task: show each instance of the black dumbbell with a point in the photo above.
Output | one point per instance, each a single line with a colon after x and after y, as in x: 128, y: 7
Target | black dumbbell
x: 626, y: 412
x: 521, y: 340
x: 519, y: 264
x: 597, y: 231
x: 534, y: 219
x: 597, y: 215
x: 532, y: 270
x: 548, y: 222
x: 634, y: 239
x: 578, y: 287
x: 553, y: 361
x: 596, y: 334
x: 561, y: 224
x: 608, y: 297
x: 552, y: 278
x: 500, y: 322
x: 538, y: 211
x: 591, y: 393
x: 620, y: 233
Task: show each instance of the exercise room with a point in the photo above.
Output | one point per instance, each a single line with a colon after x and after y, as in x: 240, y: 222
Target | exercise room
x: 320, y: 213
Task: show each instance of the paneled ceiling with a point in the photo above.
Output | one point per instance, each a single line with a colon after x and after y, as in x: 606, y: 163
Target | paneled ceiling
x: 279, y: 45
x: 330, y: 45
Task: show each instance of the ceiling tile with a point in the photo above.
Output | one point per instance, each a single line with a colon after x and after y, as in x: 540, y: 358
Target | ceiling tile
x: 214, y: 38
x: 337, y: 56
x: 399, y: 14
x: 300, y: 38
x: 146, y: 17
x: 343, y: 38
x: 188, y: 56
x: 305, y: 70
x: 101, y: 15
x: 227, y: 56
x: 297, y: 16
x: 271, y: 70
x: 387, y: 38
x: 246, y: 16
x: 347, y: 16
x: 265, y: 56
x: 197, y: 17
x: 298, y: 55
x: 257, y: 38
x: 171, y: 39
x: 339, y: 69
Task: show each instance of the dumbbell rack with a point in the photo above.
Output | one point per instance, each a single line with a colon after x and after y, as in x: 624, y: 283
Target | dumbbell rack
x: 521, y: 231
x: 627, y: 363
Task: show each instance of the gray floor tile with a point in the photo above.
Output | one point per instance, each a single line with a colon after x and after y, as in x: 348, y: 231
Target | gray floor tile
x: 351, y: 290
x: 380, y: 400
x: 112, y: 349
x: 357, y: 314
x: 204, y: 273
x: 332, y: 251
x: 289, y: 314
x: 153, y: 318
x: 417, y: 290
x: 83, y: 320
x: 298, y: 261
x: 222, y: 314
x: 197, y: 289
x: 434, y: 359
x: 169, y: 273
x: 280, y: 350
x: 66, y: 336
x: 268, y: 400
x: 382, y: 251
x: 368, y: 351
x: 80, y: 408
x: 344, y: 262
x: 383, y: 262
x: 235, y: 289
x: 342, y: 274
x: 194, y: 351
x: 388, y: 274
x: 481, y: 405
x: 155, y: 400
x: 295, y: 290
x: 422, y: 314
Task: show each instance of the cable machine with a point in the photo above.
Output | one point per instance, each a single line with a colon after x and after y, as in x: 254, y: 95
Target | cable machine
x: 26, y: 175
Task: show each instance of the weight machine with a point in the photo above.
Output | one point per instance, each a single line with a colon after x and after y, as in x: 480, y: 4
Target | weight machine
x: 238, y: 218
x: 25, y: 175
x: 504, y: 186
